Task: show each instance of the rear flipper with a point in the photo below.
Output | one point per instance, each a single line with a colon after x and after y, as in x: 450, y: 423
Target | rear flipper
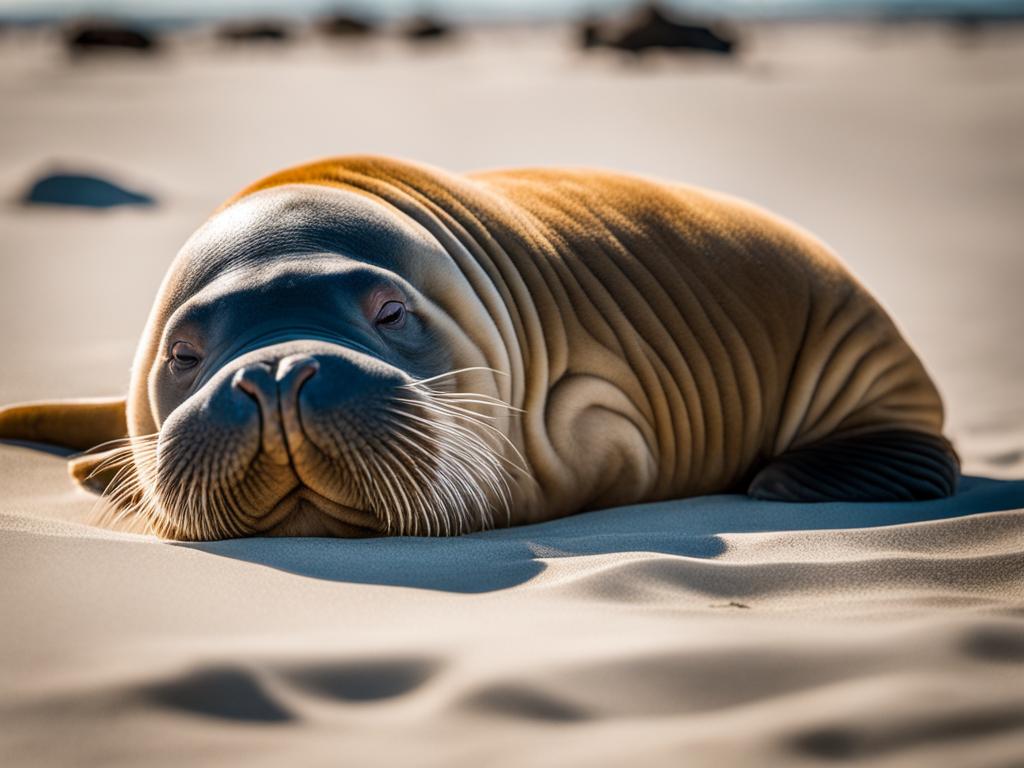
x: 898, y: 465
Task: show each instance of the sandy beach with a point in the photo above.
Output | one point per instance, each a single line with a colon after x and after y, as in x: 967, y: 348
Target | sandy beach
x: 715, y: 631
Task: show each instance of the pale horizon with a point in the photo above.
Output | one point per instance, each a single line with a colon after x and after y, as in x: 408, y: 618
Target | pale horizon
x: 494, y: 9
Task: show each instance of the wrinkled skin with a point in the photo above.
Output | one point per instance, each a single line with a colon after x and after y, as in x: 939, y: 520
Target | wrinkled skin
x: 364, y: 346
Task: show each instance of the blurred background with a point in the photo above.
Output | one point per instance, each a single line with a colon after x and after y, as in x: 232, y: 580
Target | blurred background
x: 894, y: 130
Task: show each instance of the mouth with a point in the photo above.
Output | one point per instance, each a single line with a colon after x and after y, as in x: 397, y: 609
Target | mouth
x: 304, y: 512
x: 409, y: 460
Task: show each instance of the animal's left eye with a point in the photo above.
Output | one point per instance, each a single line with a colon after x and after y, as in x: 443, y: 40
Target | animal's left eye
x: 391, y: 315
x: 183, y: 356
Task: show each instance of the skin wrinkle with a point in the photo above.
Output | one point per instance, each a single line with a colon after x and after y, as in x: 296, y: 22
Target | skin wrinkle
x: 622, y: 270
x: 568, y: 274
x: 788, y: 416
x: 758, y: 388
x: 498, y: 310
x: 703, y: 395
x: 880, y: 385
x: 676, y: 423
x: 847, y: 390
x: 706, y: 394
x: 719, y: 400
x: 834, y: 376
x: 744, y: 379
x: 588, y: 293
x: 649, y: 368
x: 808, y: 370
x: 661, y: 341
x: 892, y: 394
x: 511, y: 343
x: 711, y: 319
x: 547, y: 352
x: 604, y: 248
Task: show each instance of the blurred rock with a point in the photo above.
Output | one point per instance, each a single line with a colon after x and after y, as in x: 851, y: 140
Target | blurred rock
x: 342, y: 25
x: 254, y: 31
x: 87, y: 37
x: 590, y: 29
x: 82, y: 190
x: 650, y: 27
x: 424, y: 28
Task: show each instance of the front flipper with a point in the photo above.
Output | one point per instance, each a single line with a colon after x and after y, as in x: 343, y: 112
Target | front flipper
x: 896, y: 465
x: 77, y: 425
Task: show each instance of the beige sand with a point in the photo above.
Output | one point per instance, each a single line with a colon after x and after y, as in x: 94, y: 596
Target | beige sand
x: 707, y: 632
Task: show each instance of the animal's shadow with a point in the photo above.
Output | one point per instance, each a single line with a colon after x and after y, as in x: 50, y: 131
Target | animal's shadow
x: 504, y: 558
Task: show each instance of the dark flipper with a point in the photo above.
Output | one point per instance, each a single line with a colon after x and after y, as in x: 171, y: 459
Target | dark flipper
x: 898, y: 465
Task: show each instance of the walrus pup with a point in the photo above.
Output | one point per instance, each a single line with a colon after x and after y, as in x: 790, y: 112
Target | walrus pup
x: 365, y: 346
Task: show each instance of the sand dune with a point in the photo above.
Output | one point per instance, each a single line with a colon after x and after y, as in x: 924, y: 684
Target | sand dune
x: 715, y: 631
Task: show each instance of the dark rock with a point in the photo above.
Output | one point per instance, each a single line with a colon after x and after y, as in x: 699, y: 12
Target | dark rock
x: 341, y: 25
x: 650, y: 27
x: 83, y: 191
x: 254, y: 31
x: 422, y: 28
x: 87, y: 37
x: 590, y: 30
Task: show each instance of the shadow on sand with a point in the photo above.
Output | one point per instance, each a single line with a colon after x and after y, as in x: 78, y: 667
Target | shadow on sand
x: 500, y: 559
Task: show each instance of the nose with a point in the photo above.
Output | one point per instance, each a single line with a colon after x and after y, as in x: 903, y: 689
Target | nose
x: 292, y: 372
x: 276, y: 393
x: 255, y: 380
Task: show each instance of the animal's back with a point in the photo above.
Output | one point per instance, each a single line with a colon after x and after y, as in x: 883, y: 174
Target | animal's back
x: 681, y: 341
x: 746, y: 330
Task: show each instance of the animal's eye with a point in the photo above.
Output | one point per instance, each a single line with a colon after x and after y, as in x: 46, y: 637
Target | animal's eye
x: 391, y: 315
x: 183, y: 356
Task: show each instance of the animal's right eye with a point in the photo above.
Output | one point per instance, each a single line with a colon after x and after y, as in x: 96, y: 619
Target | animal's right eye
x: 391, y: 315
x: 183, y: 356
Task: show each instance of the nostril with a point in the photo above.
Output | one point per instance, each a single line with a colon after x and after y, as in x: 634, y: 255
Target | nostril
x: 292, y: 373
x: 294, y: 370
x: 244, y: 382
x: 255, y: 381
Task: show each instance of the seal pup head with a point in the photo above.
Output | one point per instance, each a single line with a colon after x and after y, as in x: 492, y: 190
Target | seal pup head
x: 303, y: 372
